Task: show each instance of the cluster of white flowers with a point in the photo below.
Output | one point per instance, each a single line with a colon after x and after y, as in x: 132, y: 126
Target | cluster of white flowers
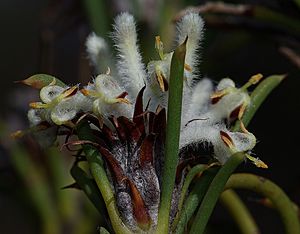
x: 207, y: 110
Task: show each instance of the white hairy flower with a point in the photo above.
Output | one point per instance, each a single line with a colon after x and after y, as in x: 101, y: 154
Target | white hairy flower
x: 98, y: 52
x: 130, y: 67
x: 206, y: 111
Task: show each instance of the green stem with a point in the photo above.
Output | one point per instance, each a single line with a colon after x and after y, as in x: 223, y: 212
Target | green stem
x: 258, y: 96
x: 270, y: 190
x: 215, y: 189
x: 172, y: 137
x: 239, y: 212
x: 194, y: 198
x: 188, y: 179
x: 99, y: 174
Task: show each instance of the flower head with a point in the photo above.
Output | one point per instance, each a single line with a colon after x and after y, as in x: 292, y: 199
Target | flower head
x: 132, y: 102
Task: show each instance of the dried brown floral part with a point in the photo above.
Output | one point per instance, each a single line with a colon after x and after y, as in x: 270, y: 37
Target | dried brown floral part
x: 140, y: 212
x: 146, y: 152
x: 226, y: 139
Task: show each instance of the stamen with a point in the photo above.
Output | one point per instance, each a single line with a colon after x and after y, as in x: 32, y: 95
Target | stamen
x: 216, y: 96
x: 242, y: 110
x: 243, y: 128
x: 257, y: 162
x: 252, y: 81
x: 187, y: 67
x: 160, y: 79
x: 159, y: 46
x: 123, y: 100
x: 68, y: 93
x: 38, y: 105
x: 226, y: 139
x: 17, y: 134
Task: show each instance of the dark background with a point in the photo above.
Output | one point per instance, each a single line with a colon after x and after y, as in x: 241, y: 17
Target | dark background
x: 39, y: 36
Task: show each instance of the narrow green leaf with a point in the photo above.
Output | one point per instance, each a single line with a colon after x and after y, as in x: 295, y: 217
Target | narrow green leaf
x: 215, y: 189
x: 194, y: 198
x: 269, y: 190
x: 258, y: 96
x: 39, y: 81
x: 172, y: 136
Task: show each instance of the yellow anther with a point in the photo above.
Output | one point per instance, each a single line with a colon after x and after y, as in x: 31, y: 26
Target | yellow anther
x: 257, y: 162
x: 68, y: 92
x: 85, y: 92
x: 243, y: 128
x: 17, y: 134
x: 91, y: 93
x: 253, y: 80
x: 160, y: 47
x: 187, y: 67
x: 219, y: 94
x: 227, y: 139
x: 242, y: 110
x: 123, y: 100
x: 256, y: 78
x: 38, y: 105
x: 161, y: 80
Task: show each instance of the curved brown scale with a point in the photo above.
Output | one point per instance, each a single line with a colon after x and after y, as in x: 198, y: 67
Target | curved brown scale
x: 114, y: 165
x: 160, y: 122
x: 147, y: 150
x: 132, y: 131
x: 150, y: 120
x: 122, y: 95
x: 138, y: 108
x: 140, y: 211
x: 140, y: 123
x: 109, y: 134
x: 97, y: 121
x: 121, y: 131
x: 70, y: 92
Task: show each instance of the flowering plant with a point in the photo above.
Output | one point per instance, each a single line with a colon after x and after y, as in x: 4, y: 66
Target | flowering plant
x: 159, y: 141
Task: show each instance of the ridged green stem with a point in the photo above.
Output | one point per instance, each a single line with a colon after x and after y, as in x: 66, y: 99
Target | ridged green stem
x: 239, y: 212
x: 172, y: 137
x: 270, y: 190
x: 99, y: 174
